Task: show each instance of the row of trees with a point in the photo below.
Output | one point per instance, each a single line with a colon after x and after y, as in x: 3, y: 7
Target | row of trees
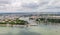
x: 54, y: 20
x: 17, y: 22
x: 48, y: 20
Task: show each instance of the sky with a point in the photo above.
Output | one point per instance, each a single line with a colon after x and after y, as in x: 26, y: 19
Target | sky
x: 29, y: 6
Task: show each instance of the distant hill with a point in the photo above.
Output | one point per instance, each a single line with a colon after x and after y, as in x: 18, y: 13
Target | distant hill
x: 31, y: 13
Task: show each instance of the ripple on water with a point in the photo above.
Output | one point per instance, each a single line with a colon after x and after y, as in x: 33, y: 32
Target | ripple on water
x: 33, y: 30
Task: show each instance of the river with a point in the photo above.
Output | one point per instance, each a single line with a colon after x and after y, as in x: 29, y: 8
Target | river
x: 33, y: 30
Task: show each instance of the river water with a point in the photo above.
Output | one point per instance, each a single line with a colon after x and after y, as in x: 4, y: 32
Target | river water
x: 41, y: 29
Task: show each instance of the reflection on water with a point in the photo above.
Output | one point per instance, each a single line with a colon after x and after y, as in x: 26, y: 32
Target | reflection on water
x: 33, y: 30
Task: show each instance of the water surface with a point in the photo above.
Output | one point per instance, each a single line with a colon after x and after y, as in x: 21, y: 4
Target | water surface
x: 32, y: 30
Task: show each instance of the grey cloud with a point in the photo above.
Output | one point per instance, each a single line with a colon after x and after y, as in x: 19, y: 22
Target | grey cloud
x: 30, y: 5
x: 18, y: 5
x: 53, y: 7
x: 43, y: 3
x: 5, y: 2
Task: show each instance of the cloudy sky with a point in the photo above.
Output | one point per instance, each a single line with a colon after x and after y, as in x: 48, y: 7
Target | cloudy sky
x: 29, y: 5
